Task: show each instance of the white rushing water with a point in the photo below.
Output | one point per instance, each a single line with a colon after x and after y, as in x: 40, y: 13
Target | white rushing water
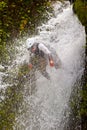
x: 44, y: 110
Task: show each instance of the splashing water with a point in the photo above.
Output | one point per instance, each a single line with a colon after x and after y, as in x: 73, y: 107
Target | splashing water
x: 44, y: 110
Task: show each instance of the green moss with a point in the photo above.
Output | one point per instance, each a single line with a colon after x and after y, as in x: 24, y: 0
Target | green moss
x: 17, y: 19
x: 83, y: 103
x: 13, y: 98
x: 80, y: 8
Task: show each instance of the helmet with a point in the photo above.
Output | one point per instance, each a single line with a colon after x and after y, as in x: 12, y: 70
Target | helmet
x: 30, y: 42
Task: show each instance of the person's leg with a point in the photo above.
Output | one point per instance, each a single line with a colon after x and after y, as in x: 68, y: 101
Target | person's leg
x: 42, y: 67
x: 32, y: 82
x: 45, y: 74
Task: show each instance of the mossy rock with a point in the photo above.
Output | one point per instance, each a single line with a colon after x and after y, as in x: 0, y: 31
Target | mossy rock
x: 80, y: 8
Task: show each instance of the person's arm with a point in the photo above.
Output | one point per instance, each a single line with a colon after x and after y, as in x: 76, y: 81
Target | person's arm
x: 43, y: 48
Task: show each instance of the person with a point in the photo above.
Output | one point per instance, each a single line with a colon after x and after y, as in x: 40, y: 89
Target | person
x: 40, y: 56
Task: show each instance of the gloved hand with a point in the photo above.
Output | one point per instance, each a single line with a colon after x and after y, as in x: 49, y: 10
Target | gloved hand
x: 51, y: 61
x: 30, y: 66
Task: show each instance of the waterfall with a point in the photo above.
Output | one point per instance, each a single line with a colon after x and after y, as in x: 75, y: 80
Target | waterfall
x: 44, y: 110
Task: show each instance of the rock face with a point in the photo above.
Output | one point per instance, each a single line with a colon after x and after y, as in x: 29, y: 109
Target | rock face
x: 79, y: 7
x: 72, y: 1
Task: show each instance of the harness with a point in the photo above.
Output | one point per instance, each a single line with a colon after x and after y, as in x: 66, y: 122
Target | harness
x: 39, y: 52
x: 38, y: 59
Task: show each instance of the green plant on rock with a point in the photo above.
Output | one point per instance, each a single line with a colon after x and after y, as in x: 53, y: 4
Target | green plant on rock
x: 80, y: 8
x: 83, y: 103
x: 18, y: 18
x: 13, y: 98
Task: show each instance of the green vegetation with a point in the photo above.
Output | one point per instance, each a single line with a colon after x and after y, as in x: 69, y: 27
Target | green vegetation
x: 80, y: 8
x: 83, y: 106
x: 78, y: 105
x: 18, y: 18
x: 79, y: 102
x: 13, y: 98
